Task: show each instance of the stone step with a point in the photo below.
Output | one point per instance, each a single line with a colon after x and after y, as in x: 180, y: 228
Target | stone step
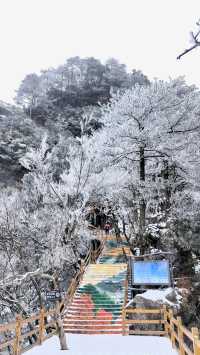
x: 89, y: 327
x: 93, y: 332
x: 81, y: 289
x: 84, y: 296
x: 92, y: 306
x: 91, y: 318
x: 87, y: 313
x: 104, y: 272
x: 107, y: 266
x: 95, y: 306
x: 79, y: 296
x: 93, y: 282
x: 82, y: 303
x: 82, y: 292
x: 107, y: 278
x: 91, y: 322
x: 93, y: 278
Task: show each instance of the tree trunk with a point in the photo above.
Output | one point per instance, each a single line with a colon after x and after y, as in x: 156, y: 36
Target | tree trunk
x: 116, y: 227
x: 167, y: 187
x: 142, y: 206
x: 61, y: 332
x: 124, y: 226
x: 142, y: 216
x: 142, y: 164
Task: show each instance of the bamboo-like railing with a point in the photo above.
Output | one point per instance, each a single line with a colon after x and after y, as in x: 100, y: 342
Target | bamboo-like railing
x: 124, y: 322
x: 186, y: 342
x: 23, y: 334
x: 21, y: 338
x: 159, y: 313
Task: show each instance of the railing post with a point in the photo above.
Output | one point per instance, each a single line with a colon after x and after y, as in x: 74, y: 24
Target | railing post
x: 180, y: 336
x: 165, y: 319
x: 41, y: 326
x: 124, y: 331
x: 17, y: 346
x: 82, y: 268
x: 124, y: 321
x: 196, y: 343
x: 172, y: 328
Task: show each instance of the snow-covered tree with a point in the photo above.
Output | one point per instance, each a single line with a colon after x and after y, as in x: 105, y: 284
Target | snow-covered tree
x: 150, y: 133
x: 43, y: 229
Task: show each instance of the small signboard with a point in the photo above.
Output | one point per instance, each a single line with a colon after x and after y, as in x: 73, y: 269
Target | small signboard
x: 53, y: 295
x: 154, y: 272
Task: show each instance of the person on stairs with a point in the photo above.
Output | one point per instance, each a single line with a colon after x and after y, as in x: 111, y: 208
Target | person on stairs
x: 107, y: 228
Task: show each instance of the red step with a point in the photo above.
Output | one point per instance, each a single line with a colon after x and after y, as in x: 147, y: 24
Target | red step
x: 93, y: 322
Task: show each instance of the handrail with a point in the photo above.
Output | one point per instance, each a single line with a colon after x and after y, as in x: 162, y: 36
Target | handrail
x: 44, y: 319
x: 186, y: 342
x: 124, y: 323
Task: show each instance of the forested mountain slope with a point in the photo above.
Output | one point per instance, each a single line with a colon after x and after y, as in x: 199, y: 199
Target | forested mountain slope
x: 89, y: 134
x: 53, y: 102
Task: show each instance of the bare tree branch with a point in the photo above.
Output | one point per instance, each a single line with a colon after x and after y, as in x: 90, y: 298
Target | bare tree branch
x: 196, y: 43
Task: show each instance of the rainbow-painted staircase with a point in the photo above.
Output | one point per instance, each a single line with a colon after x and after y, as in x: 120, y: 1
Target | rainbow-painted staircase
x: 97, y: 305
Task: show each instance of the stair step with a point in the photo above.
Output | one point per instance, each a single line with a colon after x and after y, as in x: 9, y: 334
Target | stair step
x: 100, y: 299
x: 93, y: 321
x: 84, y: 285
x: 93, y: 327
x: 93, y: 305
x: 94, y: 332
x: 88, y: 317
x: 85, y: 294
x: 102, y: 268
x: 88, y: 307
x: 84, y: 304
x: 85, y: 312
x: 100, y: 277
x: 103, y: 300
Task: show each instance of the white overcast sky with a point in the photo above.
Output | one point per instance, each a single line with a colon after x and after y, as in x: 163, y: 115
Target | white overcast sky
x: 143, y: 34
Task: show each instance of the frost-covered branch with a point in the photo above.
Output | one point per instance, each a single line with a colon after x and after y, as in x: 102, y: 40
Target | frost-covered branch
x: 195, y: 41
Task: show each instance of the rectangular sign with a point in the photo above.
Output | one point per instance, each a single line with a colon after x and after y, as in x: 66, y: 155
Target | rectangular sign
x: 150, y: 272
x: 53, y: 295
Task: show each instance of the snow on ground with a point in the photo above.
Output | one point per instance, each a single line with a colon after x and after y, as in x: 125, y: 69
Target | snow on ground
x: 162, y: 296
x: 106, y: 345
x: 157, y: 295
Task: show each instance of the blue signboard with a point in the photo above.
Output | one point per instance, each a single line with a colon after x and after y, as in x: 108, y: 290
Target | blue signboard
x: 150, y: 272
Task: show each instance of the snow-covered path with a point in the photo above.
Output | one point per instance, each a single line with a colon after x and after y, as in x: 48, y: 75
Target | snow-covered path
x: 106, y: 345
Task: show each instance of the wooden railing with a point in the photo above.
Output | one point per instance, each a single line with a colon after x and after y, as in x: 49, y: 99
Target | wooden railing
x: 144, y: 322
x: 185, y: 341
x: 124, y: 323
x: 23, y: 334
